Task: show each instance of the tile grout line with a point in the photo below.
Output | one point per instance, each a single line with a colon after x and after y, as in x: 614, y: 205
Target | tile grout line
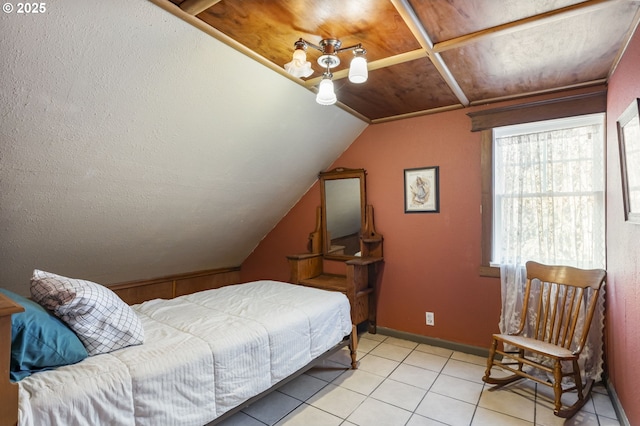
x: 385, y: 375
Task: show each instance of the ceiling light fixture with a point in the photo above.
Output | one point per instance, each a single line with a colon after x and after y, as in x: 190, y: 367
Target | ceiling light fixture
x: 330, y: 47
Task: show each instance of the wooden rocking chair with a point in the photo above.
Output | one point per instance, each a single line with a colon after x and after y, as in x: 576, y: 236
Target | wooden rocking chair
x: 561, y: 302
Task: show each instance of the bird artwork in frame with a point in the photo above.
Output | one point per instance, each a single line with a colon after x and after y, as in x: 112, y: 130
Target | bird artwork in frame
x: 421, y: 190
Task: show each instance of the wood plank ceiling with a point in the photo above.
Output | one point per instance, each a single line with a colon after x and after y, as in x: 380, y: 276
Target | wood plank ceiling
x: 426, y: 56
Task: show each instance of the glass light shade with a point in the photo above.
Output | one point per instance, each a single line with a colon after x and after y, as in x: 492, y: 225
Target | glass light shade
x: 326, y: 95
x: 299, y: 66
x: 358, y: 72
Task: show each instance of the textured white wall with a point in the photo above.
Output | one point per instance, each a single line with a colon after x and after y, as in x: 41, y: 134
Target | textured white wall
x: 132, y: 145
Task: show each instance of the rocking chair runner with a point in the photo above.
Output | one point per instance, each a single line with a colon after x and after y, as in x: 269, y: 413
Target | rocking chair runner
x: 561, y: 302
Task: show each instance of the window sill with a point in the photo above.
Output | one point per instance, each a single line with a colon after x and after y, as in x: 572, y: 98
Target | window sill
x: 490, y: 271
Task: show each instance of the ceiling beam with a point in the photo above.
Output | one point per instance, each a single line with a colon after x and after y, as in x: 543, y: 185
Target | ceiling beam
x: 397, y: 59
x: 193, y: 7
x: 525, y: 23
x: 416, y: 114
x: 413, y: 22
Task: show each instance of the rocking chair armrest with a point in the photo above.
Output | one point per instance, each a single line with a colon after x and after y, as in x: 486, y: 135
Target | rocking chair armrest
x: 578, y: 350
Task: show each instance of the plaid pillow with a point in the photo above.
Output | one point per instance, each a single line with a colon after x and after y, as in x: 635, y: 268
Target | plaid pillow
x: 102, y: 321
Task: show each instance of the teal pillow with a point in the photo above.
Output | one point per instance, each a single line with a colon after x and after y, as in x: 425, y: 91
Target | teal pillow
x: 39, y: 340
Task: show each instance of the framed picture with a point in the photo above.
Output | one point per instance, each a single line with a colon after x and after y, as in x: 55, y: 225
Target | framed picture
x: 421, y: 190
x: 629, y: 141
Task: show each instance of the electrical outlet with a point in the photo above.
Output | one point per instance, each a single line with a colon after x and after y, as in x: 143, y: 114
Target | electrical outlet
x: 430, y: 318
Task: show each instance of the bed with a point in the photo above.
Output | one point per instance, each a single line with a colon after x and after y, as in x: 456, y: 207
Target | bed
x: 205, y: 356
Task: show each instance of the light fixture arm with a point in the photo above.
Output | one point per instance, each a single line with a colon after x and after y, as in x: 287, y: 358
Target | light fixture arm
x: 354, y: 47
x: 327, y: 46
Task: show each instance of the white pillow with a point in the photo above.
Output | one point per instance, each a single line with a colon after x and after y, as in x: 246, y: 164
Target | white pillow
x: 102, y: 321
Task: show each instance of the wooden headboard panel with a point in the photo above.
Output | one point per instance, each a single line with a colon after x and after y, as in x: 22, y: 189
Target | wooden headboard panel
x: 131, y: 292
x: 171, y: 286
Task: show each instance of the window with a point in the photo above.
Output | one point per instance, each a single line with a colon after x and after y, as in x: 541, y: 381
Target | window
x: 571, y: 104
x: 549, y: 192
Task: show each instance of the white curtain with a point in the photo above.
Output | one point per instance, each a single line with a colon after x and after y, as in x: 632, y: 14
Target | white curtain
x: 549, y: 207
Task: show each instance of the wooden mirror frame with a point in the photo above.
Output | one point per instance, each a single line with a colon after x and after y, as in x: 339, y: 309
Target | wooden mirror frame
x: 337, y: 174
x: 362, y: 272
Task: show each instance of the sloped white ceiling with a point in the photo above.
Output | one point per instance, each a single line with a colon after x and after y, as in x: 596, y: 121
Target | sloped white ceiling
x: 122, y: 158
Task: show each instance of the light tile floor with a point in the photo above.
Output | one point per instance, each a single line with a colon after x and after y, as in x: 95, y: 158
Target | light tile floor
x: 399, y: 382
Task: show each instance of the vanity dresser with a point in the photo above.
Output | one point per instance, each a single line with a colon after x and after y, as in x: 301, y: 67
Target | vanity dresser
x: 344, y: 237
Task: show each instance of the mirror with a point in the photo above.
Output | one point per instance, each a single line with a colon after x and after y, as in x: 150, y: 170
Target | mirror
x: 343, y: 211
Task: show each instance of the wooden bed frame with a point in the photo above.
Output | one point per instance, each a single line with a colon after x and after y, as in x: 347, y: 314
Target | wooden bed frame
x: 134, y: 292
x: 8, y: 390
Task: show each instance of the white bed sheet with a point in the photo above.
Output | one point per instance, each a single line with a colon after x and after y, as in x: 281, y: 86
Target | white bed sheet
x: 203, y: 354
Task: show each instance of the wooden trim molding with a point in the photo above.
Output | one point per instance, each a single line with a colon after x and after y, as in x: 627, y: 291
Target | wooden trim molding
x: 194, y: 7
x: 566, y: 12
x: 412, y: 21
x: 486, y: 207
x: 490, y: 271
x: 486, y: 184
x: 568, y: 106
x: 170, y: 286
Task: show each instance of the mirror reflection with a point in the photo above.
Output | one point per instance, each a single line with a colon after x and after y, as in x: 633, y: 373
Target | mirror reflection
x: 343, y: 216
x: 342, y: 193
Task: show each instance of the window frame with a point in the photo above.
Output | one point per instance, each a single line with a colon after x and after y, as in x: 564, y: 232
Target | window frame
x: 485, y: 121
x: 486, y: 207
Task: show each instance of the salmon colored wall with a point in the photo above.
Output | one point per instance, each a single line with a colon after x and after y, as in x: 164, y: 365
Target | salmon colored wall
x: 268, y: 260
x: 623, y: 248
x: 431, y: 260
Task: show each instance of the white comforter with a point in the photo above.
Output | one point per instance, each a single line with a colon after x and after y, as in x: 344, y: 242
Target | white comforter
x: 203, y: 354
